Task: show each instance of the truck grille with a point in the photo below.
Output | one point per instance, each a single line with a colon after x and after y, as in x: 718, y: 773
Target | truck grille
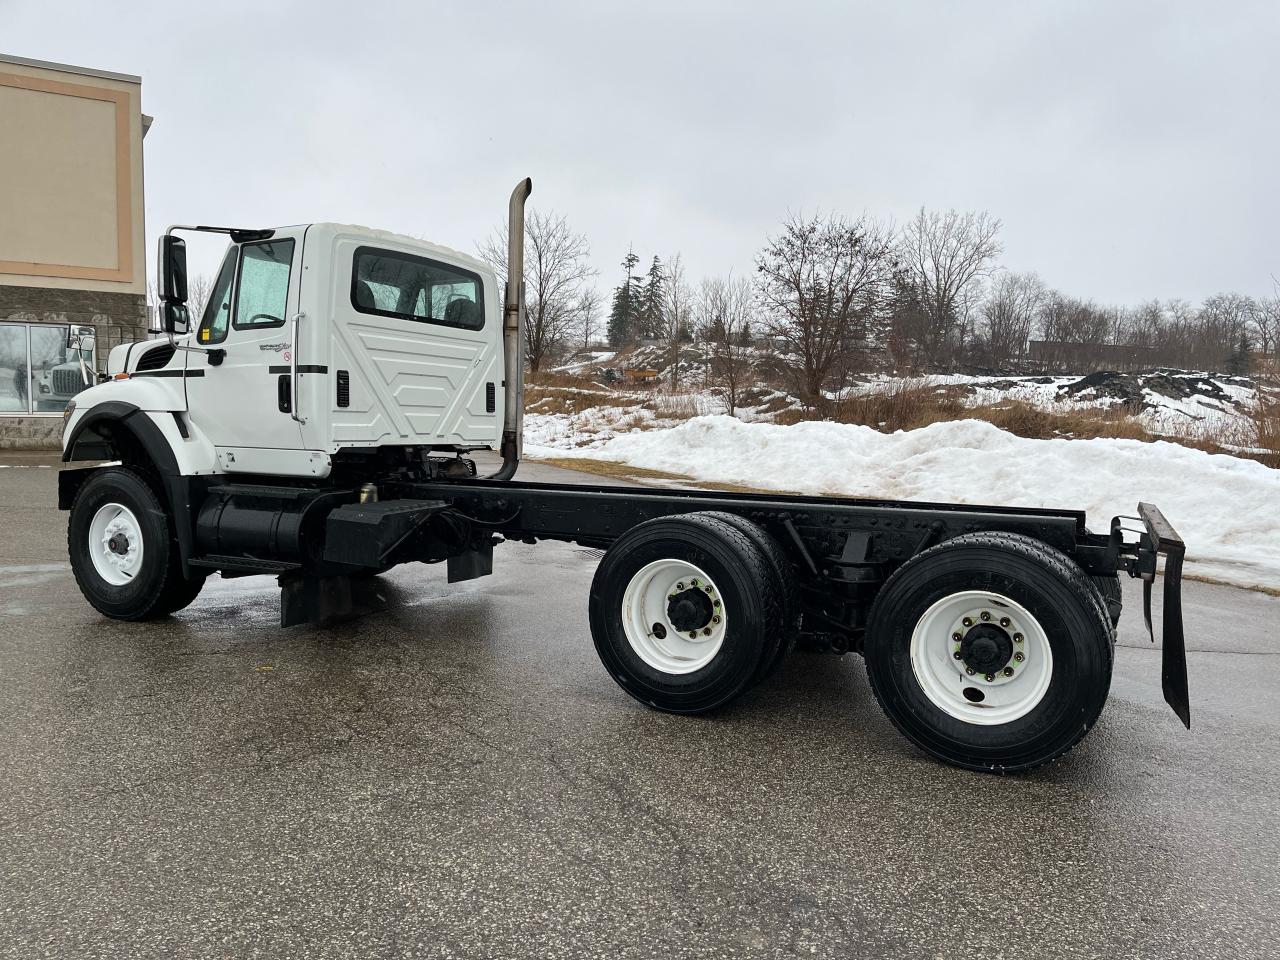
x: 66, y: 383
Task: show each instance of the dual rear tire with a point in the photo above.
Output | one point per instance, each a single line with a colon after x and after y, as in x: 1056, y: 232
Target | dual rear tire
x: 688, y: 612
x: 991, y: 651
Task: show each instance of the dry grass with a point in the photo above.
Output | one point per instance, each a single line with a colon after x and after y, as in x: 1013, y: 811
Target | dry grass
x: 674, y: 406
x: 909, y: 406
x: 1265, y: 420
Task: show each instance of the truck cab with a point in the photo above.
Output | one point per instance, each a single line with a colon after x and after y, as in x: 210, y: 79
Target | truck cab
x: 318, y: 342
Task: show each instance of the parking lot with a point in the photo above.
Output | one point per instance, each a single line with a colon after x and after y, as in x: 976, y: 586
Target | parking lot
x: 458, y: 777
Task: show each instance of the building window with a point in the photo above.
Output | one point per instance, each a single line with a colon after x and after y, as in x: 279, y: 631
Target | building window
x: 39, y: 373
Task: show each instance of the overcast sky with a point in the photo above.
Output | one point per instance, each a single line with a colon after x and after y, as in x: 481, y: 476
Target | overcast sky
x: 1131, y: 149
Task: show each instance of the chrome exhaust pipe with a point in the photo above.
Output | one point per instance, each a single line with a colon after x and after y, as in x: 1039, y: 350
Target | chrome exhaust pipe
x: 513, y: 336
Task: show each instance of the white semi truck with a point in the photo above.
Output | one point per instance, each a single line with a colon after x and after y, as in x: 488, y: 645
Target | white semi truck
x: 317, y: 424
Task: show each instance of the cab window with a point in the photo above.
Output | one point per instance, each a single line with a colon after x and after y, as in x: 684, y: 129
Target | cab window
x: 263, y: 288
x: 217, y: 311
x: 392, y: 284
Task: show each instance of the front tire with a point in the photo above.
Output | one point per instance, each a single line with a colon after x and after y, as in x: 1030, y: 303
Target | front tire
x: 990, y: 651
x: 122, y: 550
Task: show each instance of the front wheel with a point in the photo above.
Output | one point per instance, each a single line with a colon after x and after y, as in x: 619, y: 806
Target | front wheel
x: 990, y: 651
x: 122, y: 551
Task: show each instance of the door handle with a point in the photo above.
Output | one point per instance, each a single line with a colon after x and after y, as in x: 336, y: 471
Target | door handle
x: 293, y: 369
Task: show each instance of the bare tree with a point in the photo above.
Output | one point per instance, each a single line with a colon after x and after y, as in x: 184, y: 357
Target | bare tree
x: 726, y: 312
x: 557, y: 266
x: 1009, y: 313
x: 588, y: 314
x: 821, y: 280
x: 1266, y: 325
x: 947, y: 255
x: 676, y: 312
x: 199, y: 290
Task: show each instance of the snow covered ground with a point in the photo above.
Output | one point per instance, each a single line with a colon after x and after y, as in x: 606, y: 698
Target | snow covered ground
x: 1226, y: 508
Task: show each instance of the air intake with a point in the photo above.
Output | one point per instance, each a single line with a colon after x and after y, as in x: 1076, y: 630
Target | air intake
x: 157, y: 358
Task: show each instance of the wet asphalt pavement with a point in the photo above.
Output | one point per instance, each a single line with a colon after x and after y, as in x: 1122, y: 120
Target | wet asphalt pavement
x: 458, y: 777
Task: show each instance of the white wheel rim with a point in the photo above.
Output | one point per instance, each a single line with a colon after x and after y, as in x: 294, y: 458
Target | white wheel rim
x: 647, y: 615
x: 1015, y: 687
x: 115, y: 544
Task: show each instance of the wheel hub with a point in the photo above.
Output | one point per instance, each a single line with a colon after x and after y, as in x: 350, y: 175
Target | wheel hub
x: 986, y: 648
x: 689, y: 610
x: 118, y: 544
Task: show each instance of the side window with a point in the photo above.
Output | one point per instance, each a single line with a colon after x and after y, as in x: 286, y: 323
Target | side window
x: 393, y: 284
x: 264, y: 284
x: 217, y: 312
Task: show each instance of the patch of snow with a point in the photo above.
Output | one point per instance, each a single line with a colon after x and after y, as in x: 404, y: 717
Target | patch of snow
x: 1224, y: 507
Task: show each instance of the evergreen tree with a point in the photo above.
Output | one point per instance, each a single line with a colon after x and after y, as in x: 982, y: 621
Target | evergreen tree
x: 1238, y: 362
x: 625, y: 308
x: 650, y: 307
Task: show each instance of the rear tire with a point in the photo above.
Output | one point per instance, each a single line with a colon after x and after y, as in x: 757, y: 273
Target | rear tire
x: 1112, y: 597
x: 122, y: 549
x: 781, y: 636
x: 1030, y: 671
x: 680, y: 610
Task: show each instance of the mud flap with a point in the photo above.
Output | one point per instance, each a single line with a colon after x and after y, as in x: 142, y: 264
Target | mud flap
x: 1161, y: 538
x: 321, y: 600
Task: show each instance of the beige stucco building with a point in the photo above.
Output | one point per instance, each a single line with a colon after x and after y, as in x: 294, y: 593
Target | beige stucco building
x: 72, y: 251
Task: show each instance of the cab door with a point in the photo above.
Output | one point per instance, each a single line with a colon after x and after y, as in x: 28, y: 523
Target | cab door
x: 414, y: 346
x: 239, y: 392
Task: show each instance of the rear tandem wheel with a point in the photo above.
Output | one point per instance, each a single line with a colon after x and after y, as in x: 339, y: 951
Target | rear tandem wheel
x: 685, y: 611
x: 990, y: 651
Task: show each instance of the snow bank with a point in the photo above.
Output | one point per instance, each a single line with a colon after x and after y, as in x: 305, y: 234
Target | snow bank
x: 1226, y: 508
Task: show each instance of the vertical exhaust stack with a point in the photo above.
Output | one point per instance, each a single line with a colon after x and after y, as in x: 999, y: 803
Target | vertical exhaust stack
x: 513, y: 335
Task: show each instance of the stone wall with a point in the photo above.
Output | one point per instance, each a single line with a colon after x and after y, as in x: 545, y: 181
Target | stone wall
x: 117, y: 317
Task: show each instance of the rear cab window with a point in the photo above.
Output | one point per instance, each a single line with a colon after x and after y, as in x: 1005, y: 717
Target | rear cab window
x: 388, y: 283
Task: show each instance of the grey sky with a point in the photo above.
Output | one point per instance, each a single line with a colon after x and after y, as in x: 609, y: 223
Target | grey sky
x: 1131, y: 149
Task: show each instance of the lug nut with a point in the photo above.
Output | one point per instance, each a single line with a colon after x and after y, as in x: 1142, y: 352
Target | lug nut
x: 990, y: 678
x: 693, y: 634
x: 956, y: 654
x: 715, y: 619
x: 1017, y: 638
x: 969, y: 671
x: 693, y: 582
x: 985, y: 616
x: 707, y: 588
x: 967, y: 621
x: 1008, y: 671
x: 1018, y: 657
x: 680, y: 585
x: 956, y: 637
x: 1004, y: 621
x: 706, y: 632
x: 715, y: 603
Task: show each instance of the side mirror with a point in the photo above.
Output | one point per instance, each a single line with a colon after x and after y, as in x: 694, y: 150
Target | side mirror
x: 80, y: 340
x: 173, y: 261
x: 174, y: 317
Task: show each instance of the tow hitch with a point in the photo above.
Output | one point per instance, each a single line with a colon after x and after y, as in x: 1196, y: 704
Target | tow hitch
x: 1158, y: 538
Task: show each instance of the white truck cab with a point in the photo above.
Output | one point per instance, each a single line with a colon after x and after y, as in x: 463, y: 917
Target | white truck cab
x: 317, y: 339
